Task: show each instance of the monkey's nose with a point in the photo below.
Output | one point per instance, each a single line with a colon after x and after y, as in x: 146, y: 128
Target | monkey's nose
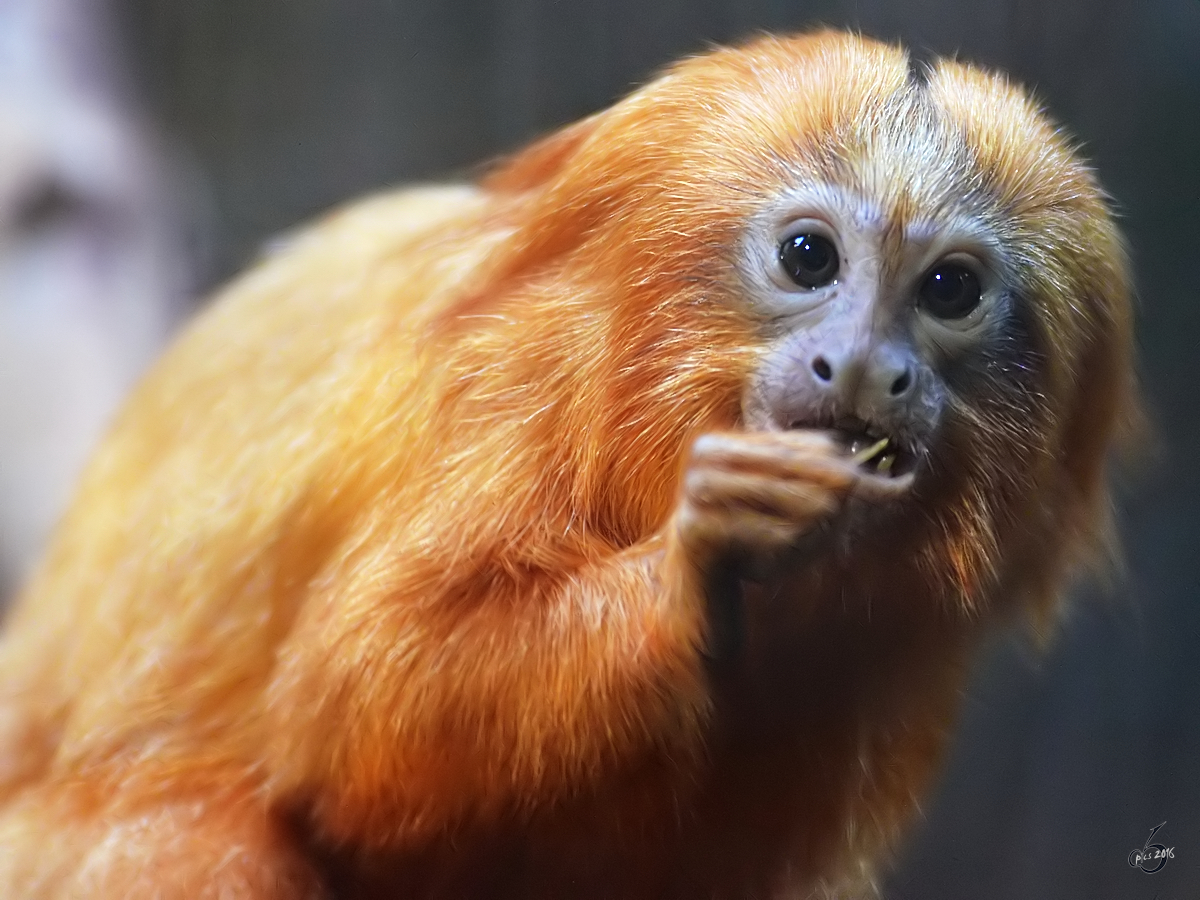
x: 883, y: 377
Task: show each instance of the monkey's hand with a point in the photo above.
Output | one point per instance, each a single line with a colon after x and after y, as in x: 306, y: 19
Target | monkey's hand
x: 751, y: 501
x: 749, y: 498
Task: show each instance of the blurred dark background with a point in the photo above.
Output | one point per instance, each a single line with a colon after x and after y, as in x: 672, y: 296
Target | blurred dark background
x: 1067, y: 758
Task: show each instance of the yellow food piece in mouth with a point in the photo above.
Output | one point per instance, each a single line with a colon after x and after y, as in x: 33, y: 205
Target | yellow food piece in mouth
x: 868, y: 453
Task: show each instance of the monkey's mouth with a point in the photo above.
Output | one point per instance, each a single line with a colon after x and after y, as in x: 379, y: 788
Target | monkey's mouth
x: 872, y: 447
x: 881, y: 455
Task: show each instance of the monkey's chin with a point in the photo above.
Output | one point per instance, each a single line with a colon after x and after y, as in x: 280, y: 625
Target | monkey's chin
x: 878, y: 520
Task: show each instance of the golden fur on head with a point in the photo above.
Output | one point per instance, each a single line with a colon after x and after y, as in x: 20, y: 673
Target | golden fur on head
x: 378, y: 563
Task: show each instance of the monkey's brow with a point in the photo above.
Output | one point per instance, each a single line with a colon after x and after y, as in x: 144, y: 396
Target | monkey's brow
x: 957, y: 227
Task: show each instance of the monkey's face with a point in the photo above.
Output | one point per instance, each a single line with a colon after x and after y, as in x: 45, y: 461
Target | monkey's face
x: 879, y: 323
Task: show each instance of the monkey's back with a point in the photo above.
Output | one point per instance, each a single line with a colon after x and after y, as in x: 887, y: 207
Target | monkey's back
x: 150, y: 623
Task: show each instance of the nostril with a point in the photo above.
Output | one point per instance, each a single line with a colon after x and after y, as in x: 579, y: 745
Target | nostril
x: 902, y: 384
x: 822, y: 369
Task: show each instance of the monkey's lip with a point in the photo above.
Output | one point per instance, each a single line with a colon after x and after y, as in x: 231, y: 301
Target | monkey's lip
x: 871, y: 445
x: 874, y: 448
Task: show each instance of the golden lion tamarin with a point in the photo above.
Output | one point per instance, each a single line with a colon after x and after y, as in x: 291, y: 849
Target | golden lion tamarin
x: 620, y: 527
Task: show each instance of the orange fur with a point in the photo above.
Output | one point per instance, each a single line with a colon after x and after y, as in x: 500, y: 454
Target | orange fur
x: 376, y: 578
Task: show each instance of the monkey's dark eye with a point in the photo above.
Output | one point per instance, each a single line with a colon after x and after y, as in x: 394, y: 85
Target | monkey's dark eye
x: 951, y: 291
x: 809, y: 260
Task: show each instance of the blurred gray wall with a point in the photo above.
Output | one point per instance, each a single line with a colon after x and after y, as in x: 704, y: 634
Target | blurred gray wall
x: 1066, y: 759
x: 93, y: 259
